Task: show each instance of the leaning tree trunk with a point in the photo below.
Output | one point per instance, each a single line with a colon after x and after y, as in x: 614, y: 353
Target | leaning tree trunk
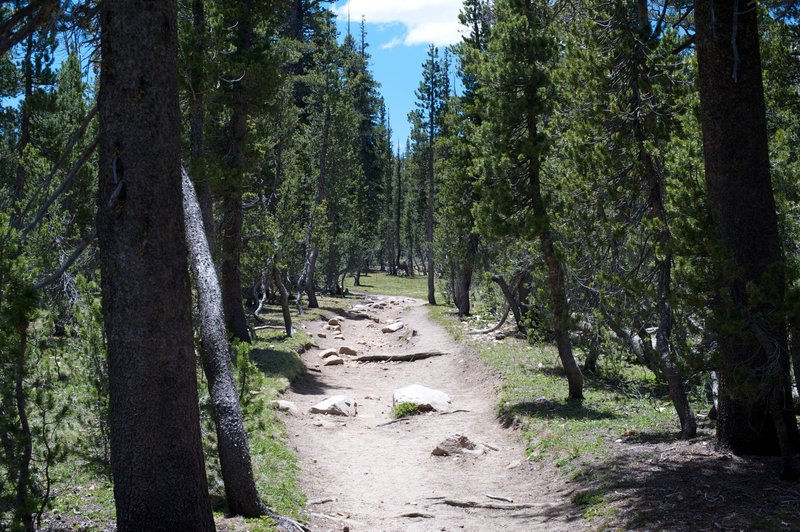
x: 740, y: 199
x: 234, y: 452
x: 156, y: 455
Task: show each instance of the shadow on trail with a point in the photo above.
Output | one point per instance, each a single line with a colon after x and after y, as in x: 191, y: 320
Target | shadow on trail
x: 311, y: 384
x: 278, y: 363
x: 687, y: 486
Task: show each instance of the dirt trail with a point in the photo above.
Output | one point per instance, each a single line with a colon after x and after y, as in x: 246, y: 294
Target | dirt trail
x: 378, y: 477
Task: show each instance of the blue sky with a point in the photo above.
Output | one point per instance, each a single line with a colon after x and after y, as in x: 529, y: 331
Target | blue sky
x: 398, y: 34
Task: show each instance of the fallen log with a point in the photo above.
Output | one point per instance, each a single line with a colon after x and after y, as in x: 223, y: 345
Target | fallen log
x: 410, y: 357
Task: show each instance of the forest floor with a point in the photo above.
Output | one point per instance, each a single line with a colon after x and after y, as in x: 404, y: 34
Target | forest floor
x: 362, y: 473
x: 611, y: 462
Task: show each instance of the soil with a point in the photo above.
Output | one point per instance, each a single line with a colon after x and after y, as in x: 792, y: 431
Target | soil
x: 364, y: 473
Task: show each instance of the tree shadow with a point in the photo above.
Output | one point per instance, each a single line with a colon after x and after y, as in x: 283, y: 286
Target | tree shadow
x: 667, y: 485
x: 311, y: 384
x: 546, y: 408
x: 278, y: 363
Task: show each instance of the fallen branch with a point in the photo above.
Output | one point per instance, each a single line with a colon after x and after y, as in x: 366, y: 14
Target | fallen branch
x: 408, y: 418
x: 492, y: 506
x: 322, y: 501
x: 416, y: 514
x: 498, y: 498
x: 493, y: 329
x: 399, y: 358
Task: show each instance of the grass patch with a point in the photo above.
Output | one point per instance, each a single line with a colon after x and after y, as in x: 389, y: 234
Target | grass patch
x: 381, y: 283
x: 405, y: 409
x: 625, y: 405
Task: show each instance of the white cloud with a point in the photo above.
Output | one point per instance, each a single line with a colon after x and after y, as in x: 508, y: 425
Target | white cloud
x: 425, y: 21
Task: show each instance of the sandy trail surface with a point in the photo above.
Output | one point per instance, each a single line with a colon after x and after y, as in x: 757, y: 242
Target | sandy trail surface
x: 361, y: 473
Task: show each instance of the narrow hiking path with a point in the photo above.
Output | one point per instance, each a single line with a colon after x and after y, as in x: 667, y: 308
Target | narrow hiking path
x: 361, y: 473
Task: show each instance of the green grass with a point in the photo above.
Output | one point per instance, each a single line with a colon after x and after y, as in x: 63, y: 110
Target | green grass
x: 381, y: 283
x: 626, y: 404
x: 405, y: 410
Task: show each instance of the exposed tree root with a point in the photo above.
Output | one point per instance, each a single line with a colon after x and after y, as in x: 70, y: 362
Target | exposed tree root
x: 492, y: 506
x: 399, y: 358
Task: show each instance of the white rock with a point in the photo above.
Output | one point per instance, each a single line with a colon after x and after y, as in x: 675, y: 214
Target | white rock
x: 328, y: 353
x: 286, y: 406
x: 347, y: 350
x: 426, y: 398
x: 333, y: 360
x: 394, y: 327
x: 338, y: 405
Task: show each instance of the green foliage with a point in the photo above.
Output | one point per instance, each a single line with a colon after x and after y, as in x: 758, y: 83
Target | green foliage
x: 405, y: 409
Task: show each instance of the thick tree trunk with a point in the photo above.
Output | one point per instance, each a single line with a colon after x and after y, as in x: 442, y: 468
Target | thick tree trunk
x: 463, y: 277
x: 233, y: 449
x: 156, y: 457
x: 740, y: 198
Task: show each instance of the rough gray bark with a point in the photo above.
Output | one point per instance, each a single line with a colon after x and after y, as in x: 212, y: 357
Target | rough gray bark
x: 755, y: 414
x: 156, y: 457
x: 22, y: 506
x: 232, y: 446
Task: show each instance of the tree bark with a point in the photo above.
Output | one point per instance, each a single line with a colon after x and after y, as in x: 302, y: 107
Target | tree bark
x: 463, y: 277
x: 512, y: 301
x: 234, y: 452
x: 429, y: 217
x: 284, y: 295
x: 742, y: 206
x: 197, y: 120
x: 156, y: 456
x: 232, y: 207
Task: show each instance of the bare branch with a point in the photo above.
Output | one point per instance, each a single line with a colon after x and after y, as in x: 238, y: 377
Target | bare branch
x: 56, y: 275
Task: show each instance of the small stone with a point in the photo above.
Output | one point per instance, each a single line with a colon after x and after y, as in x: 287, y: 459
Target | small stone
x: 394, y: 327
x: 347, y: 350
x: 454, y: 445
x: 328, y: 353
x: 515, y: 464
x: 286, y: 406
x: 333, y: 360
x: 337, y: 405
x: 322, y: 335
x: 338, y: 337
x: 334, y: 322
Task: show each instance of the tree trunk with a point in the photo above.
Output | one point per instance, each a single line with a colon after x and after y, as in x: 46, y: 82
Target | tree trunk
x: 284, y: 294
x: 23, y: 507
x: 742, y: 206
x: 231, y: 237
x: 24, y: 133
x: 463, y: 277
x: 156, y: 456
x: 429, y: 221
x: 197, y: 119
x: 512, y: 301
x: 556, y: 280
x: 232, y: 207
x: 233, y: 449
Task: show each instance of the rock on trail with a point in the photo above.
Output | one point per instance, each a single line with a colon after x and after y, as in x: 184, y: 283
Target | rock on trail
x: 381, y: 472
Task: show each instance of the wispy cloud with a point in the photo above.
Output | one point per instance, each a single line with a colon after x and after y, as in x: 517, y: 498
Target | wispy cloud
x: 425, y: 21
